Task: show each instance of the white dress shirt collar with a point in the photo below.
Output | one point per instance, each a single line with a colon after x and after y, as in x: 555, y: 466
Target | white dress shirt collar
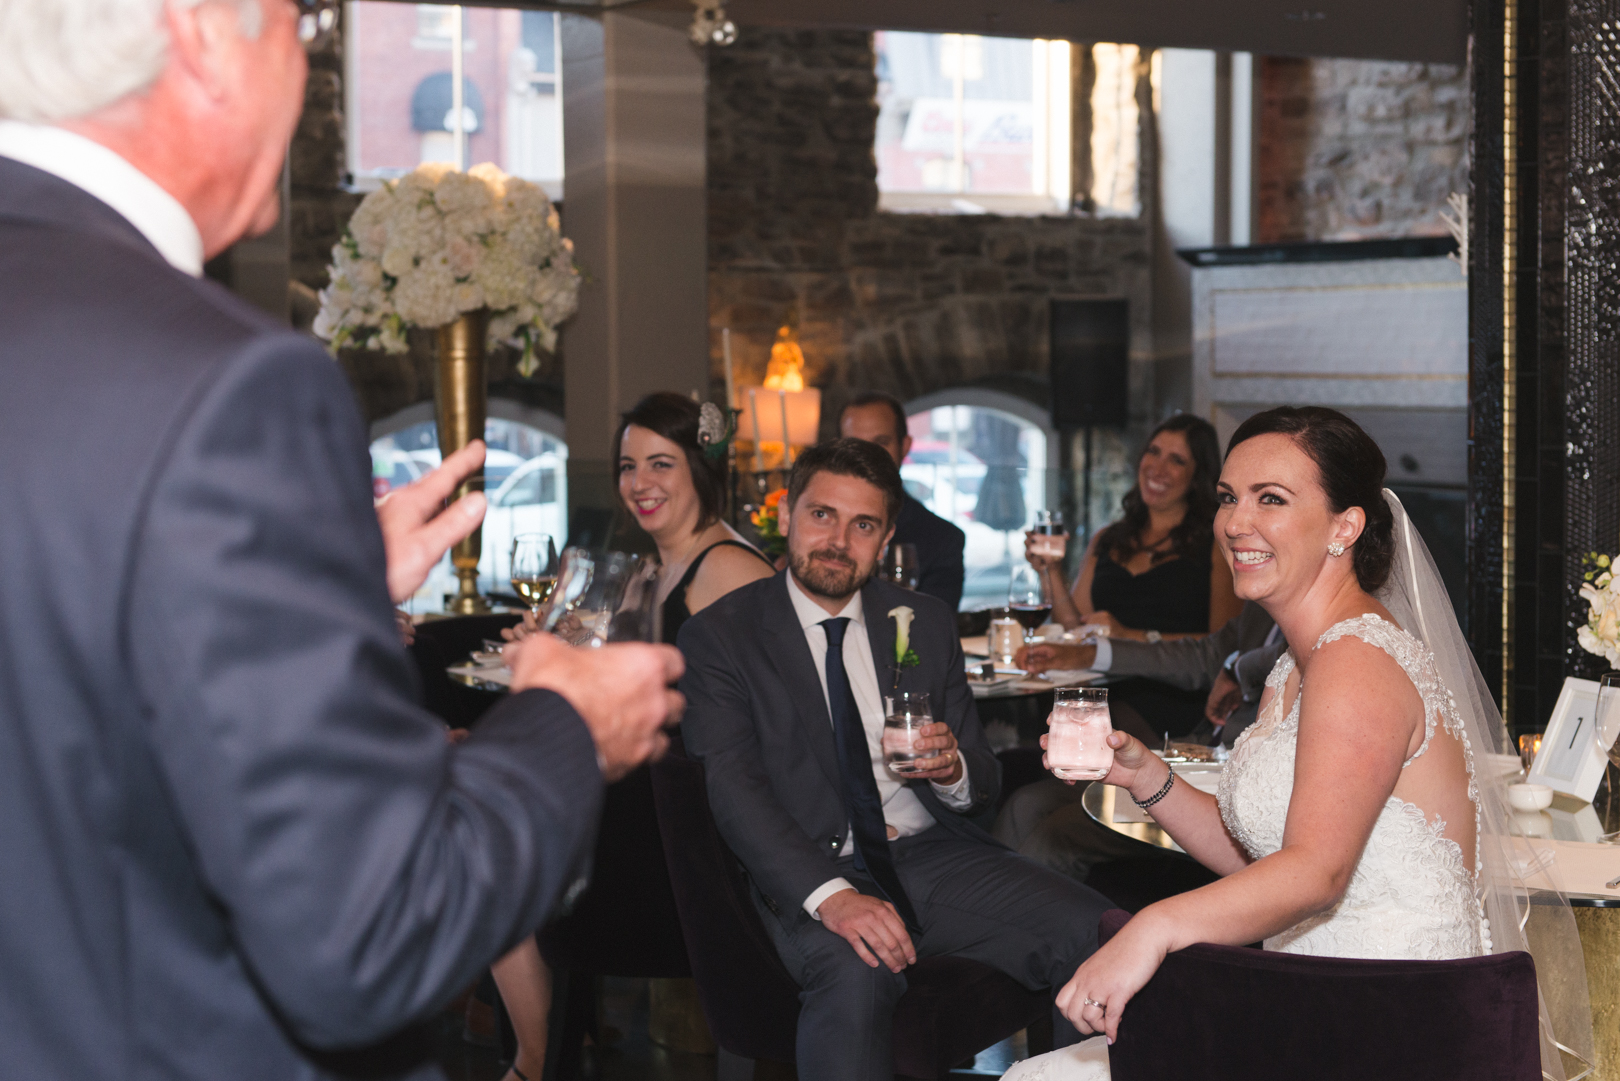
x: 812, y: 614
x: 88, y: 165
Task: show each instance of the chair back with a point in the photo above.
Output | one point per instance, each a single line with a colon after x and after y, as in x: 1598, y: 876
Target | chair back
x: 751, y: 1002
x: 1218, y: 1012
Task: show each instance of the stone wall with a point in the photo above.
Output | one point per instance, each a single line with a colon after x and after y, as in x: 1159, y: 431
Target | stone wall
x: 1352, y: 149
x: 905, y: 303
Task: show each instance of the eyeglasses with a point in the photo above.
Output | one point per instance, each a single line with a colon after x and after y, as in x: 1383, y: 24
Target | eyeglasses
x: 316, y: 20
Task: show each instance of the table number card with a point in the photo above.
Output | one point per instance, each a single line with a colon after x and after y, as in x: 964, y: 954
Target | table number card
x: 1570, y: 760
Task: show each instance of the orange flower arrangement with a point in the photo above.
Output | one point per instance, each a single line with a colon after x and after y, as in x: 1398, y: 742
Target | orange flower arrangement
x: 771, y: 540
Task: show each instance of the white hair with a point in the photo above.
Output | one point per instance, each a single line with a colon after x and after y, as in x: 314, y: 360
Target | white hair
x: 62, y: 59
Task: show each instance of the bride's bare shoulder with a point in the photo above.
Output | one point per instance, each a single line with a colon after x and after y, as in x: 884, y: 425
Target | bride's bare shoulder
x: 1355, y: 679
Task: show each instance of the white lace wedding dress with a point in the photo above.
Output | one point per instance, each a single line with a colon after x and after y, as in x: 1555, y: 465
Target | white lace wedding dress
x: 1413, y: 895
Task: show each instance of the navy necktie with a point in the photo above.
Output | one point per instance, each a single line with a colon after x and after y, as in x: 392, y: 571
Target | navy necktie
x: 861, y: 798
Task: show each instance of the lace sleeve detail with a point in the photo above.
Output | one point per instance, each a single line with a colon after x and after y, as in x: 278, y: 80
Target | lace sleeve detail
x: 1281, y: 671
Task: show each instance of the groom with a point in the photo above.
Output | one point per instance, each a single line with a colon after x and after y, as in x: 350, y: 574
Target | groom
x: 857, y: 873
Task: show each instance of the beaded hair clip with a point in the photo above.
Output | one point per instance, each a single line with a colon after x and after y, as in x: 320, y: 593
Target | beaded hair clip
x: 715, y: 429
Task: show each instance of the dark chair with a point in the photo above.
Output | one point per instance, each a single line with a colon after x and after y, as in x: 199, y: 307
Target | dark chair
x: 1218, y: 1012
x: 953, y: 1009
x: 624, y: 924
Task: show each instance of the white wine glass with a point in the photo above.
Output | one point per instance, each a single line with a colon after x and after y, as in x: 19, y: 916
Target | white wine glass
x: 534, y: 569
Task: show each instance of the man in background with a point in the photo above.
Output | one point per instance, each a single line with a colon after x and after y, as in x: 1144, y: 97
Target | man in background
x: 881, y: 419
x: 235, y: 844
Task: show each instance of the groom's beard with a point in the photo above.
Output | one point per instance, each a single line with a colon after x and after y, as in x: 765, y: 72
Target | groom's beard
x: 833, y: 582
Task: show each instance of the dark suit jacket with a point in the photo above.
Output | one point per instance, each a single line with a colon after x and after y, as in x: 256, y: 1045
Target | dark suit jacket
x: 229, y: 832
x: 758, y: 720
x: 939, y: 550
x: 1193, y: 663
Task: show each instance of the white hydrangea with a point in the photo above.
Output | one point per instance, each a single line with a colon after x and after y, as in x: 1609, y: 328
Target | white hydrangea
x: 1601, y: 635
x: 435, y: 243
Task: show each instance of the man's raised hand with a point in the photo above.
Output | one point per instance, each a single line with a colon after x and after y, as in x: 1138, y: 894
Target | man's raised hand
x: 622, y: 691
x: 418, y: 529
x: 871, y: 926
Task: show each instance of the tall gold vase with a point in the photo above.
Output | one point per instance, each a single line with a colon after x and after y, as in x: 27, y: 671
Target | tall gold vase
x: 460, y: 401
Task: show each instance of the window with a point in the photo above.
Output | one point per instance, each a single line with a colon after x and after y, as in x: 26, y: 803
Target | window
x: 970, y: 124
x: 525, y: 478
x: 986, y: 470
x: 400, y: 83
x: 963, y: 116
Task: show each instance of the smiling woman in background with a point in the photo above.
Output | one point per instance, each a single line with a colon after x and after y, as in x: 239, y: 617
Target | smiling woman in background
x: 1155, y: 573
x: 672, y: 478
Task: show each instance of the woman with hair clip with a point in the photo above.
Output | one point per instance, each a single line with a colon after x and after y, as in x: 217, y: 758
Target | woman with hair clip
x: 1356, y: 817
x: 1153, y: 574
x: 672, y: 481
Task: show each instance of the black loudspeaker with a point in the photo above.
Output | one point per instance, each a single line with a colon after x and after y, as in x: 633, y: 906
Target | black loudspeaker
x: 1091, y: 343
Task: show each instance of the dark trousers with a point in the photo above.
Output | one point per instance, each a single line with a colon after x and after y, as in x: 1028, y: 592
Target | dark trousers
x: 974, y: 900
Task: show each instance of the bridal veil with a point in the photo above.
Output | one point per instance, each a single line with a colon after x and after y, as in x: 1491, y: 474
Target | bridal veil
x: 1525, y: 908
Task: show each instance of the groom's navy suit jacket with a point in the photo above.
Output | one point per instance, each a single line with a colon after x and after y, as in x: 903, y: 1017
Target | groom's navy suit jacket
x: 758, y: 720
x: 229, y: 833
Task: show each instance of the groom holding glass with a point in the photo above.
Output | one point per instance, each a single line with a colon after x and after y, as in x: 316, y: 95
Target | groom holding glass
x: 856, y: 871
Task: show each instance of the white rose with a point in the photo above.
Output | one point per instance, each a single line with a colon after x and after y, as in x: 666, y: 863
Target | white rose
x: 398, y: 261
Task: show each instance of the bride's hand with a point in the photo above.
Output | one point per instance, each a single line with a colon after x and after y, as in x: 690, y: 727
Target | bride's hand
x: 1130, y: 757
x: 1111, y: 977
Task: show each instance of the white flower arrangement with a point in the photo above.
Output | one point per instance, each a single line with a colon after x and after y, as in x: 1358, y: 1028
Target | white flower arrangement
x: 425, y: 248
x: 1601, y: 590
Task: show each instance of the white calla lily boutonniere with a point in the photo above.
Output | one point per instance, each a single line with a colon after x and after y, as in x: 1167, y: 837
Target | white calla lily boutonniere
x: 904, y: 655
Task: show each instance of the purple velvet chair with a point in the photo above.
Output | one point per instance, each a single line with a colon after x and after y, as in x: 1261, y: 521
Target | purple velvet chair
x: 1219, y: 1012
x: 953, y: 1008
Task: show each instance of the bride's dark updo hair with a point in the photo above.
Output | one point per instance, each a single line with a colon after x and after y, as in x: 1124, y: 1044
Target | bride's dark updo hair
x: 1351, y: 468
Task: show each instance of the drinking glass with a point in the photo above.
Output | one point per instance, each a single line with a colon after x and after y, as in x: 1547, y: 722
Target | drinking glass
x: 1005, y: 636
x: 534, y: 569
x: 1077, y: 748
x: 905, y: 714
x: 604, y: 597
x: 1028, y: 599
x: 901, y: 566
x: 1051, y: 540
x: 1529, y: 747
x: 1605, y: 731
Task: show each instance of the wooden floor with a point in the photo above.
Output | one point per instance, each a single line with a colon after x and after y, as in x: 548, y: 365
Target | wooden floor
x: 627, y: 1054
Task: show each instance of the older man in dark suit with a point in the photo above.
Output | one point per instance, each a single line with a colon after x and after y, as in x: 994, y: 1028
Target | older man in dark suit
x: 234, y: 843
x: 881, y: 419
x: 858, y: 872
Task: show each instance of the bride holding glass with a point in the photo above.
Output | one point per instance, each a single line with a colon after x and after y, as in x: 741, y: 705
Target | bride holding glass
x: 1357, y: 817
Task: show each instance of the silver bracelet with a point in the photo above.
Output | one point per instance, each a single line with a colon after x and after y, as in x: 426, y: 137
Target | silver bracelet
x: 1157, y: 796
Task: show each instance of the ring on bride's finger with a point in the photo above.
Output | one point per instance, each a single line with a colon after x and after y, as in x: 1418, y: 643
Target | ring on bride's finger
x: 1100, y: 1005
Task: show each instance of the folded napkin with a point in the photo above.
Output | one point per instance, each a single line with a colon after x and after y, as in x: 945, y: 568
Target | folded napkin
x: 492, y: 674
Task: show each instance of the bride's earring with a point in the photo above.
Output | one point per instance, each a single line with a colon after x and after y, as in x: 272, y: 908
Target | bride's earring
x: 1335, y: 549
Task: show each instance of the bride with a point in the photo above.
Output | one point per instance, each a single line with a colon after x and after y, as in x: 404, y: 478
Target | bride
x: 1352, y: 819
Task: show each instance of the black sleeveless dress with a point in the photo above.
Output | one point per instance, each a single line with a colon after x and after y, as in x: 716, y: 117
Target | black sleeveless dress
x: 1172, y: 598
x: 675, y: 610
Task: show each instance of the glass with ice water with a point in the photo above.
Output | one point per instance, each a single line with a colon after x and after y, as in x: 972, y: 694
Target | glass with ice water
x: 1077, y: 746
x: 906, y: 714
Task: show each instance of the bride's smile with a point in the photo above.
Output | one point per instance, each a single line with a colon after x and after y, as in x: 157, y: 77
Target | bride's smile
x: 1274, y: 522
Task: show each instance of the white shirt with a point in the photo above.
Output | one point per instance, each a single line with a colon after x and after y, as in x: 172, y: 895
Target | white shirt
x: 88, y: 165
x: 901, y: 807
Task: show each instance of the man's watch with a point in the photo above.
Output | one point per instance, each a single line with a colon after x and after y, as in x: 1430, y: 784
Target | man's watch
x: 1153, y: 637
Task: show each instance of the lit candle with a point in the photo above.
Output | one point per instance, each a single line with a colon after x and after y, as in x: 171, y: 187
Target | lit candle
x: 781, y: 399
x: 731, y: 388
x: 753, y: 412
